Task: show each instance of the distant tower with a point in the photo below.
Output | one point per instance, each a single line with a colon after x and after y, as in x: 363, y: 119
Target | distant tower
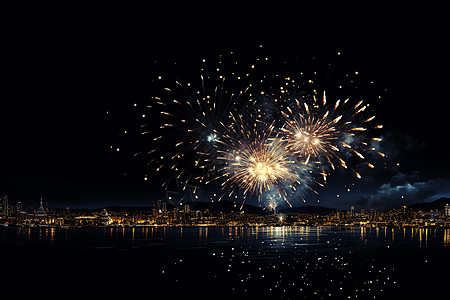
x: 352, y: 211
x: 41, y: 215
x: 186, y: 209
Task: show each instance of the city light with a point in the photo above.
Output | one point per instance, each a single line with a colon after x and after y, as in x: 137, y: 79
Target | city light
x: 186, y: 214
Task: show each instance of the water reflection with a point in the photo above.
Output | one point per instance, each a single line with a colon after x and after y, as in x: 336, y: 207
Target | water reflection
x: 421, y: 237
x: 447, y: 237
x: 202, y: 235
x: 52, y: 235
x: 280, y: 233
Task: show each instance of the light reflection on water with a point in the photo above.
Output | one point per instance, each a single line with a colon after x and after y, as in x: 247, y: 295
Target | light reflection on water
x: 203, y: 235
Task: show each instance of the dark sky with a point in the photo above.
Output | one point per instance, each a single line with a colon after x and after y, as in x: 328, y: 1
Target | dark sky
x: 65, y: 64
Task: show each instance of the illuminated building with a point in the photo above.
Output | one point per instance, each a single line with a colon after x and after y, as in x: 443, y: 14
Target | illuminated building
x: 4, y: 211
x: 19, y: 207
x: 41, y: 215
x: 104, y: 218
x: 86, y: 220
x: 447, y: 210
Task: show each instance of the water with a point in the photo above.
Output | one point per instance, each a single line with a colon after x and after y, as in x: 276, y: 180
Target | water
x: 224, y: 262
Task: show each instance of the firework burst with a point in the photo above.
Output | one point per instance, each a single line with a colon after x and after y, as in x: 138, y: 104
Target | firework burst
x: 258, y: 164
x: 257, y: 167
x: 191, y: 125
x: 326, y: 133
x: 193, y: 116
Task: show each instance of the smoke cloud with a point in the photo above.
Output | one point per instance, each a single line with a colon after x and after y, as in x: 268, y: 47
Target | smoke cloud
x: 402, y: 189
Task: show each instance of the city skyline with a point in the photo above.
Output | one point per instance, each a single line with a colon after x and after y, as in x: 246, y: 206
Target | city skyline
x: 434, y: 214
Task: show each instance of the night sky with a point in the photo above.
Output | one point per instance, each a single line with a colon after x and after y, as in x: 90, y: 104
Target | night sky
x: 64, y: 65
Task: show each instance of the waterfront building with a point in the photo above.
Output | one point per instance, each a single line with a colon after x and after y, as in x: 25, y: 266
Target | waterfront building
x: 4, y: 207
x: 105, y: 219
x: 447, y: 210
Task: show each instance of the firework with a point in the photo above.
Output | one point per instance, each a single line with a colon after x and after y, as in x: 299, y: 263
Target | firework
x: 258, y: 164
x: 193, y: 116
x: 183, y: 147
x: 262, y: 137
x: 325, y: 133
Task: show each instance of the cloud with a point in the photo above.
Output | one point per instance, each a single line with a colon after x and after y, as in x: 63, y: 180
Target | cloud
x: 402, y: 189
